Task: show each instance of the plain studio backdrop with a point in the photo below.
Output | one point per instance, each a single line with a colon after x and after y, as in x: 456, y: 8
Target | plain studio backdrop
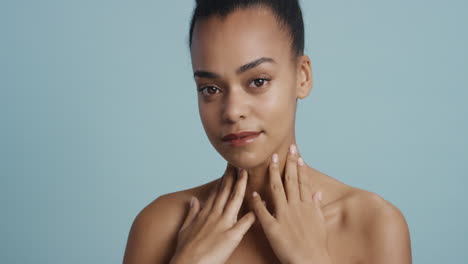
x: 99, y: 116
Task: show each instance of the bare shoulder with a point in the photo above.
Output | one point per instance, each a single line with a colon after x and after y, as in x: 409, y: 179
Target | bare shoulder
x: 153, y: 234
x: 382, y: 227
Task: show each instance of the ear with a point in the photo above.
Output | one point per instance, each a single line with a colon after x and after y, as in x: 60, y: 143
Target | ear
x: 304, y: 77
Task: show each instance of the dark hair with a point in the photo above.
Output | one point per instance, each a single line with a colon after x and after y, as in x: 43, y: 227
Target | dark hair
x: 287, y: 12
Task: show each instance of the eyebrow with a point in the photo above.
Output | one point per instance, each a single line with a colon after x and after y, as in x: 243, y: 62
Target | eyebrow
x: 241, y: 69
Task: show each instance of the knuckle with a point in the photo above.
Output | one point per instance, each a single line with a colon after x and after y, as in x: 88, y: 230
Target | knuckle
x: 201, y: 215
x: 216, y: 210
x: 275, y: 186
x: 274, y: 166
x: 292, y: 158
x: 236, y: 195
x: 213, y: 216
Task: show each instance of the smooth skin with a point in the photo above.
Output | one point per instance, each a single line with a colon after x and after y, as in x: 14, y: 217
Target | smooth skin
x: 252, y: 83
x: 297, y: 231
x: 211, y: 234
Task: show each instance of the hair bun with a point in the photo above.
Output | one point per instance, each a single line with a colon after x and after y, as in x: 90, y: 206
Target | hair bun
x: 204, y: 2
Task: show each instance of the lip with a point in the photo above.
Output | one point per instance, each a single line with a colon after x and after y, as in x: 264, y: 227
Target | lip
x: 241, y: 138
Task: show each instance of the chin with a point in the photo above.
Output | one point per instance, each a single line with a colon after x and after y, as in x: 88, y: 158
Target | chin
x: 244, y: 160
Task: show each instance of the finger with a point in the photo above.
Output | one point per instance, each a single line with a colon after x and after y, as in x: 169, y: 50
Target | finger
x: 194, y: 206
x: 290, y: 176
x: 237, y: 197
x: 225, y: 189
x: 265, y: 218
x: 206, y: 208
x: 242, y: 226
x: 276, y: 186
x: 303, y: 181
x: 318, y: 204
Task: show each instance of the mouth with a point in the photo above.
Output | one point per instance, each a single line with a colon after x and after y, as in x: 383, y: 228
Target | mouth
x: 240, y: 139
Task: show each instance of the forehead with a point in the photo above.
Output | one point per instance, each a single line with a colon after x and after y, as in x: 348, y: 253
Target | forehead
x: 240, y: 37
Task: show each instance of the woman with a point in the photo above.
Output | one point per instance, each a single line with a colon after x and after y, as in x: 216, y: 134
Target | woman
x: 250, y: 70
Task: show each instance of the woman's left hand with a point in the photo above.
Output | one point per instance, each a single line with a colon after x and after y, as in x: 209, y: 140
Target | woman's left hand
x: 297, y: 232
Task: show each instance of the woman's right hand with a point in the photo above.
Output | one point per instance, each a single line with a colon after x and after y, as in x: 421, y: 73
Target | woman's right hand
x: 211, y: 234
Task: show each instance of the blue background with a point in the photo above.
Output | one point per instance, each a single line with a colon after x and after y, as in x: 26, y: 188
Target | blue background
x: 98, y: 115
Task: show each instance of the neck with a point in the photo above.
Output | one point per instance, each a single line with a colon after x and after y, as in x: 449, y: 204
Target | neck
x: 258, y: 179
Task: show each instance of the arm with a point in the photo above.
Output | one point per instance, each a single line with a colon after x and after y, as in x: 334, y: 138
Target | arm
x: 153, y: 235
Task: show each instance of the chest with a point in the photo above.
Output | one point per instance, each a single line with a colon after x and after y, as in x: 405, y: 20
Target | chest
x: 343, y: 246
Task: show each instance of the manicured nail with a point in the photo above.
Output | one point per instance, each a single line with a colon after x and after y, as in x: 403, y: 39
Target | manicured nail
x: 254, y: 194
x: 293, y: 149
x: 192, y: 201
x: 300, y: 161
x: 275, y: 158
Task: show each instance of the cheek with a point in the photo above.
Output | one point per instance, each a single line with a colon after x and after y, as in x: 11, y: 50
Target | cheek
x: 209, y: 120
x: 277, y: 110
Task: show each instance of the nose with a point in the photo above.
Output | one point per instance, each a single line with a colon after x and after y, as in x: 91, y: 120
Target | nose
x: 235, y: 106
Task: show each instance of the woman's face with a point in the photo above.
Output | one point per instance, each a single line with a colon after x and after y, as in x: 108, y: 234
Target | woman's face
x: 247, y: 81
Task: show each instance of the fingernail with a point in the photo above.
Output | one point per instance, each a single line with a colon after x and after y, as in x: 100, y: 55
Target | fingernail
x: 275, y: 158
x: 292, y: 149
x: 319, y: 196
x: 300, y: 161
x: 192, y: 201
x: 254, y: 194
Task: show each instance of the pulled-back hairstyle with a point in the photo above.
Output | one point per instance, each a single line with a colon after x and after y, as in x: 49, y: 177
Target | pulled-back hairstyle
x: 287, y: 12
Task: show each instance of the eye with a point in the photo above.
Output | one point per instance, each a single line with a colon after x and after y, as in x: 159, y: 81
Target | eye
x: 208, y: 90
x: 259, y: 82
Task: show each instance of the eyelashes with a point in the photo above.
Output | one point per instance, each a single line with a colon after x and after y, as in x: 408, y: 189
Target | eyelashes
x: 205, y: 88
x: 257, y: 82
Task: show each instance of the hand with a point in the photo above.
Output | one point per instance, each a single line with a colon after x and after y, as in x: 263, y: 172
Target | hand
x: 296, y: 232
x: 211, y: 234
